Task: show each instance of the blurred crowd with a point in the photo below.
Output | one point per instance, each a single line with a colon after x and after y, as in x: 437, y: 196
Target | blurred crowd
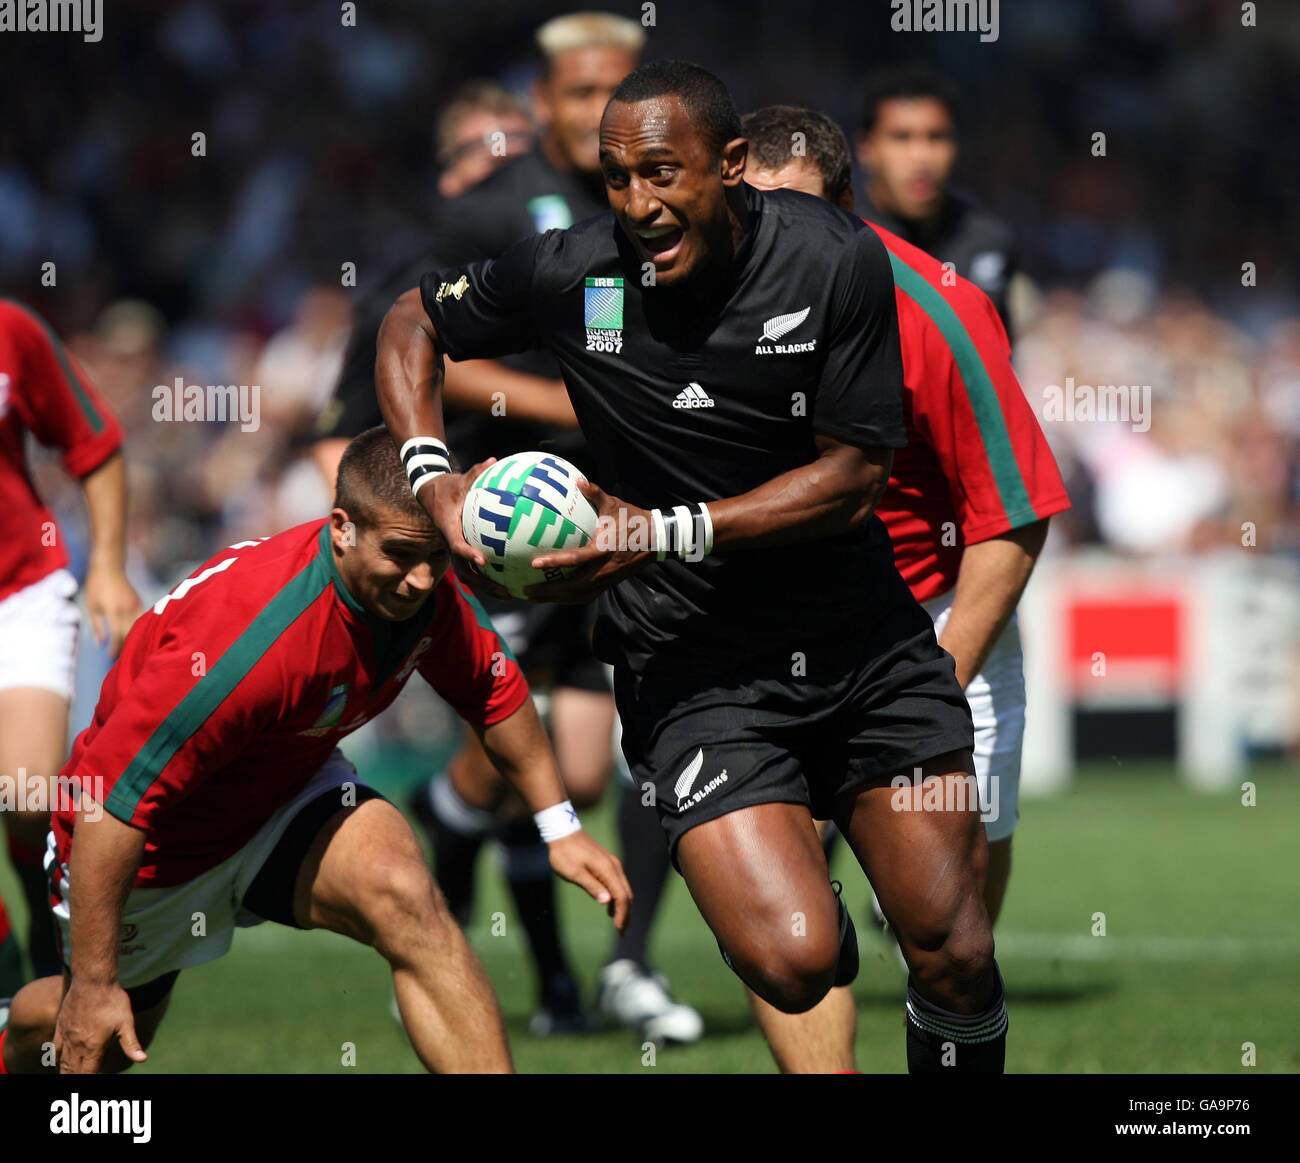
x: 222, y: 259
x: 1208, y: 455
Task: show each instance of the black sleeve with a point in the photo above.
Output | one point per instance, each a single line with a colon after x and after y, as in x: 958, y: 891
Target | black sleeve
x: 354, y: 406
x: 860, y: 397
x: 487, y: 309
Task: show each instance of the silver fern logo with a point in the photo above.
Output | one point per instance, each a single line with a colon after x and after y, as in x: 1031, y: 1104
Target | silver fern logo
x: 781, y: 325
x: 686, y: 780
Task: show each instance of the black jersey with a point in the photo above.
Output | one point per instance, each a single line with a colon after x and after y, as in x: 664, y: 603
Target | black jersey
x: 980, y: 245
x: 524, y: 197
x: 354, y: 406
x: 683, y: 403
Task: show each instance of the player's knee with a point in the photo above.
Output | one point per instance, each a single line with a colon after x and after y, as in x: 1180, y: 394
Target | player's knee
x: 797, y: 976
x: 401, y: 905
x: 963, y: 960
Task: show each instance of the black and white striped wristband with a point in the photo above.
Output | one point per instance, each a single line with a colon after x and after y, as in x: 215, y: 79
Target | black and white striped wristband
x: 424, y: 457
x: 684, y: 530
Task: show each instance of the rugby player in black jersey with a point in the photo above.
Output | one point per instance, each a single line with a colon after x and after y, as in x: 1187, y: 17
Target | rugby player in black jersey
x: 494, y: 407
x: 732, y: 357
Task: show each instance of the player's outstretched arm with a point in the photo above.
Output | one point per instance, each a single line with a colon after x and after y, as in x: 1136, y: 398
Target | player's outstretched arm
x: 111, y: 602
x: 836, y: 492
x: 519, y: 748
x: 106, y: 855
x: 408, y: 383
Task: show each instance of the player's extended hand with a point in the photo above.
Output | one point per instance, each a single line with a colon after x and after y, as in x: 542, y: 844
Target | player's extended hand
x: 443, y: 499
x: 581, y: 861
x: 91, y: 1018
x: 621, y: 546
x: 112, y: 605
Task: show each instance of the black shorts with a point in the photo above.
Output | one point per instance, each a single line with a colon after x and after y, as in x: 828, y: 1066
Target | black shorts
x: 551, y: 641
x: 800, y: 728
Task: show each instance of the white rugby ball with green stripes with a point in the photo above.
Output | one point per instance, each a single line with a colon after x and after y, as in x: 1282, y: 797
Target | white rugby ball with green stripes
x: 520, y: 507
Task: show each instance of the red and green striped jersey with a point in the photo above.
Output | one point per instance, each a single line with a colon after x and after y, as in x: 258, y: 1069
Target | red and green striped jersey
x: 234, y: 688
x: 976, y: 463
x: 44, y: 391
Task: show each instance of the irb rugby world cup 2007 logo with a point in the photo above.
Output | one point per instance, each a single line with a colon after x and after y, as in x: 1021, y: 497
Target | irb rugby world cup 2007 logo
x: 602, y: 314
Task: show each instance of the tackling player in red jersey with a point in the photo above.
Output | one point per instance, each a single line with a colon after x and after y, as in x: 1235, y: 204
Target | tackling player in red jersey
x: 966, y: 507
x: 211, y: 783
x: 44, y: 392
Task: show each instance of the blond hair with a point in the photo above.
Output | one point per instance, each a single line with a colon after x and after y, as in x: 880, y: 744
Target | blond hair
x: 586, y: 30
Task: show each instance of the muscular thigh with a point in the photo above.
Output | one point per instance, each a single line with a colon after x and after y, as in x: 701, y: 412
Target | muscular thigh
x: 759, y: 877
x: 922, y: 845
x: 355, y: 853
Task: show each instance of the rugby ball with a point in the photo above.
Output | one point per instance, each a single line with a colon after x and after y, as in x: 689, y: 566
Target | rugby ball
x: 520, y: 507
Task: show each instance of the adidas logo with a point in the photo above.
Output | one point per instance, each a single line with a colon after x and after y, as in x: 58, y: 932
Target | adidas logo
x: 693, y: 396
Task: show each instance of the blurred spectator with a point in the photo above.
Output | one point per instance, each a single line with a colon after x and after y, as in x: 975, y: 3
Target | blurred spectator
x: 297, y: 368
x: 482, y: 127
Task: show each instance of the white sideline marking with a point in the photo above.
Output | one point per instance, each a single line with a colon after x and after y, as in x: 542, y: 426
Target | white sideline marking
x: 1084, y: 947
x: 1032, y: 946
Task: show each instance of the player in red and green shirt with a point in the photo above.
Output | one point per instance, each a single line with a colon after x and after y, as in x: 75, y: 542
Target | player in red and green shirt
x: 211, y: 782
x: 45, y: 394
x: 966, y: 507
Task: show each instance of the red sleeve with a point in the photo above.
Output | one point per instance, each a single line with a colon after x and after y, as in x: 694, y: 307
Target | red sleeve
x: 185, y: 700
x: 969, y: 407
x: 469, y: 663
x: 54, y: 396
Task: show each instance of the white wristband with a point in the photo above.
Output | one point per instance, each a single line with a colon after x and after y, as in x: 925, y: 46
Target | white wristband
x: 556, y: 821
x: 685, y: 531
x: 423, y: 458
x: 707, y: 520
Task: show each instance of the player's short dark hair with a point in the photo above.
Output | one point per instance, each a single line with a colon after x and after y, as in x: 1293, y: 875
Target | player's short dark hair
x: 705, y: 98
x: 907, y: 82
x: 771, y: 132
x: 371, y: 478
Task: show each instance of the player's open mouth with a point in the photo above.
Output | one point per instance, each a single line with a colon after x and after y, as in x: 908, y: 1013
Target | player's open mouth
x: 660, y: 241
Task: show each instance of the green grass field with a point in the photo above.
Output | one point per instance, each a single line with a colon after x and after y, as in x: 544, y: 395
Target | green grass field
x: 1202, y: 903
